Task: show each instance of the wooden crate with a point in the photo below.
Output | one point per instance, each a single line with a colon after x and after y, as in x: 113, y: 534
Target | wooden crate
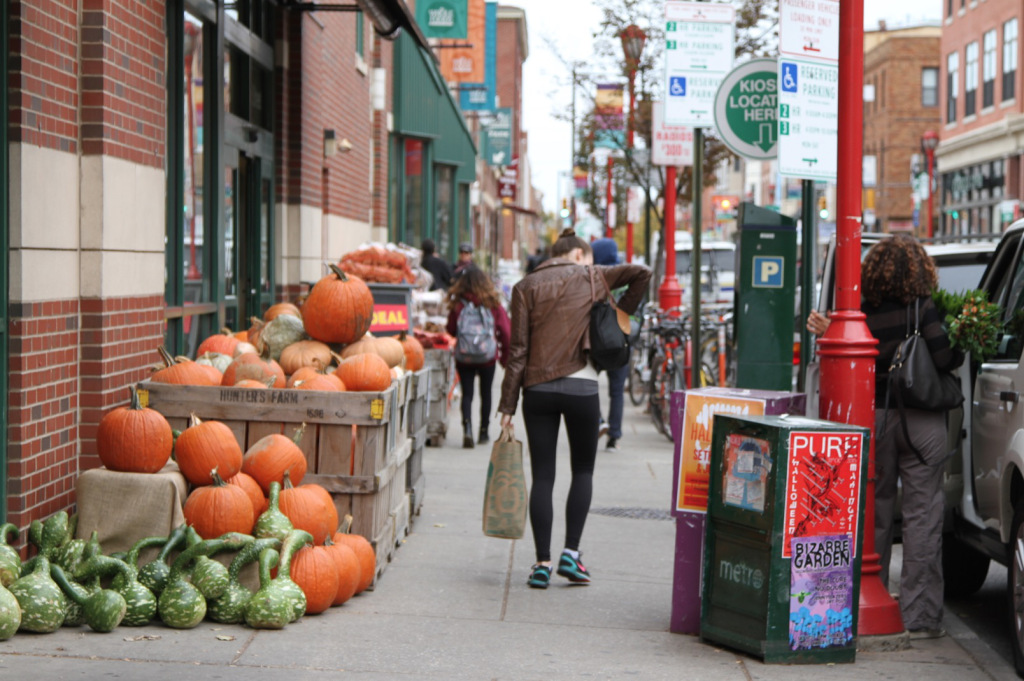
x: 441, y: 363
x: 417, y: 422
x: 355, y: 444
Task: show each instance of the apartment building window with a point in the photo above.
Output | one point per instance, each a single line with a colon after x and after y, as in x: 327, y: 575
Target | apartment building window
x: 952, y: 85
x: 360, y: 37
x: 988, y: 69
x: 971, y: 79
x: 929, y: 86
x: 1009, y: 59
x: 949, y: 8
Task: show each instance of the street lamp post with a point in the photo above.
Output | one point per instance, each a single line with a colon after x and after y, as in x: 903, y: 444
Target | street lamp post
x: 633, y: 38
x: 929, y: 141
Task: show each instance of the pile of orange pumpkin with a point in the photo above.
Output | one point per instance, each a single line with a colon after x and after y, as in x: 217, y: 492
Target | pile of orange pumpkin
x: 325, y: 346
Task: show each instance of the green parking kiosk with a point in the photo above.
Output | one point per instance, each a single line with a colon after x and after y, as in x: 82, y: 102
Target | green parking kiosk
x: 764, y: 299
x: 783, y: 536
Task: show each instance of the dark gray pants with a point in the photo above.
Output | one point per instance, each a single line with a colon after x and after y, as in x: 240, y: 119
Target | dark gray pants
x: 923, y: 504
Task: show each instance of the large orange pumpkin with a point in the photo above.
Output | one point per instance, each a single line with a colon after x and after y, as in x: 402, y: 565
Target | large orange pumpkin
x: 320, y: 382
x: 304, y: 353
x: 365, y: 372
x: 252, y: 489
x: 215, y: 375
x: 349, y: 570
x: 218, y: 508
x: 363, y: 550
x: 385, y: 346
x: 223, y: 343
x: 184, y: 372
x: 414, y: 356
x: 316, y: 573
x: 339, y: 309
x: 252, y: 366
x: 206, y: 445
x: 134, y: 439
x: 269, y: 457
x: 310, y: 508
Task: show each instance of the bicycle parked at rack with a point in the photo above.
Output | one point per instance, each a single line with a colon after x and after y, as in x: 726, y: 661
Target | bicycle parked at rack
x: 671, y: 365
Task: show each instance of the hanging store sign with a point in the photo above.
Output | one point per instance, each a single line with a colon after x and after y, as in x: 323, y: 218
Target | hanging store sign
x: 609, y: 132
x: 498, y: 138
x: 442, y: 18
x: 699, y: 50
x: 508, y: 182
x: 480, y: 96
x: 462, y: 61
x: 671, y: 145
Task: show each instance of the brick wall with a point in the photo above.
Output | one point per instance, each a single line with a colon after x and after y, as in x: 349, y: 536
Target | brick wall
x: 42, y: 438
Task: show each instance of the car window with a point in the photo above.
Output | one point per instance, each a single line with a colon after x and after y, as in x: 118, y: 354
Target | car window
x: 960, y: 276
x: 1004, y: 281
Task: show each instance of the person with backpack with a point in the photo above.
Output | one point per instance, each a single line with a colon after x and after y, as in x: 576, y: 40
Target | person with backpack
x: 481, y: 329
x: 551, y: 360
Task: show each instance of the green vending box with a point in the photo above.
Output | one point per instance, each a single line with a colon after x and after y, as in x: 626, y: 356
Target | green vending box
x: 765, y: 299
x: 783, y: 536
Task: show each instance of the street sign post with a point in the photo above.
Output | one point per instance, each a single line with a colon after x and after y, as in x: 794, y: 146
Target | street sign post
x: 699, y: 50
x: 809, y: 88
x: 671, y: 145
x: 746, y: 106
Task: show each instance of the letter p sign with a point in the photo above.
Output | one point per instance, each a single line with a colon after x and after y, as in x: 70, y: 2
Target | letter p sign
x: 768, y: 271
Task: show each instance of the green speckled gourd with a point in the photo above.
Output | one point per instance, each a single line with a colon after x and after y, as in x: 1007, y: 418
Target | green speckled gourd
x: 10, y: 561
x: 230, y: 607
x: 272, y: 522
x: 41, y: 600
x: 69, y: 555
x: 139, y: 601
x: 103, y: 608
x: 181, y: 605
x: 270, y: 607
x: 295, y: 540
x: 10, y: 614
x: 208, y: 575
x: 54, y: 533
x: 153, y: 575
x: 131, y: 559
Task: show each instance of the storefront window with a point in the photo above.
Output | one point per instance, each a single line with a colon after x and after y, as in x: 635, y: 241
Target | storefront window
x: 193, y: 152
x: 413, y: 185
x: 465, y: 233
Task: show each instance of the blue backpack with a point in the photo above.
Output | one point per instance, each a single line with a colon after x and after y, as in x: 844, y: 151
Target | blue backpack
x: 475, y: 342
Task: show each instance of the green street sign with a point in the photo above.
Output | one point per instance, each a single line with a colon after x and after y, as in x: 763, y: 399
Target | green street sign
x: 746, y: 108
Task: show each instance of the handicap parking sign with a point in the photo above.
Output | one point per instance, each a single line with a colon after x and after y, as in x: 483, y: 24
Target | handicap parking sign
x: 768, y: 271
x: 677, y: 86
x: 789, y: 76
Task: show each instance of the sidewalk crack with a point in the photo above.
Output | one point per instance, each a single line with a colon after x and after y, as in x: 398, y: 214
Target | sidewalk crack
x: 508, y: 580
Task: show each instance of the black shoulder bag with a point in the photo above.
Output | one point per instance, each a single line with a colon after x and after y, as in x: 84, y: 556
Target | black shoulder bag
x: 914, y: 381
x: 609, y: 345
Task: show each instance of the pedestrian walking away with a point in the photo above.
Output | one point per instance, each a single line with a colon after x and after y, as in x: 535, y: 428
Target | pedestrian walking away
x: 438, y: 267
x: 480, y: 326
x: 606, y: 252
x: 549, y: 363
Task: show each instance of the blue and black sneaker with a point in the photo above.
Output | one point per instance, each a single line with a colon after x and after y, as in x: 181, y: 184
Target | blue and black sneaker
x: 540, y: 576
x: 572, y: 569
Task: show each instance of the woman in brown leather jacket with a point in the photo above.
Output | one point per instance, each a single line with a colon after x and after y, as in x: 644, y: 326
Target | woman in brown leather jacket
x: 548, y: 360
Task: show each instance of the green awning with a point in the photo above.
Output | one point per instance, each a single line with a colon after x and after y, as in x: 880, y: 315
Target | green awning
x: 425, y: 108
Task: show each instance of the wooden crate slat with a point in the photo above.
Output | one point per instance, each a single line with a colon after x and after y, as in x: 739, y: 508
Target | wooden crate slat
x: 292, y: 406
x: 334, y: 454
x: 344, y: 484
x: 239, y: 428
x: 371, y: 450
x: 260, y: 429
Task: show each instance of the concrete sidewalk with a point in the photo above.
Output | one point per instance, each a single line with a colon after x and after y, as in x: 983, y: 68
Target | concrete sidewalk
x: 454, y: 604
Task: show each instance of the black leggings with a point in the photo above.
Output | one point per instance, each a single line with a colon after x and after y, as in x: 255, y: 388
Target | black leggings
x: 467, y: 376
x: 543, y: 412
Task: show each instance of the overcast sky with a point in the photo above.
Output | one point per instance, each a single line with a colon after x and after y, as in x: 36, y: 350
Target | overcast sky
x: 570, y: 24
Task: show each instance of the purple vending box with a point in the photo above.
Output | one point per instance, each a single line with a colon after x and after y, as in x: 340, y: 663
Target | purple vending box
x: 691, y: 420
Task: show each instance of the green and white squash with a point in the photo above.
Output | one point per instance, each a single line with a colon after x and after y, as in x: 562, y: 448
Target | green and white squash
x: 270, y: 607
x: 229, y: 608
x: 272, y: 522
x: 10, y: 614
x: 208, y: 575
x: 103, y: 608
x: 140, y: 602
x: 54, y: 533
x: 153, y: 575
x: 181, y: 605
x: 295, y: 540
x: 10, y: 561
x: 41, y: 600
x: 69, y: 555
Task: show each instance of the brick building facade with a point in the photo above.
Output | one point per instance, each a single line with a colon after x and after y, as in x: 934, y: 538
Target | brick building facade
x: 901, y: 72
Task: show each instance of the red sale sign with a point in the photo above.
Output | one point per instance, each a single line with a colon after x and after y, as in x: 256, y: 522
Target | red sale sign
x: 822, y: 485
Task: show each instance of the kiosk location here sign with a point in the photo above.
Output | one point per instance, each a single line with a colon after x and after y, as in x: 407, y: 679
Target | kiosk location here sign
x: 746, y: 108
x: 699, y: 50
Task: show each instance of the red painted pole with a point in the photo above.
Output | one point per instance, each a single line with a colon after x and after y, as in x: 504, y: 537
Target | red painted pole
x: 608, y: 201
x: 629, y: 147
x: 847, y: 349
x: 930, y: 159
x: 669, y: 294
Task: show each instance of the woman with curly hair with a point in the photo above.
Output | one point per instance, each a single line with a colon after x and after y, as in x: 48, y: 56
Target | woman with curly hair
x: 473, y: 294
x: 897, y: 279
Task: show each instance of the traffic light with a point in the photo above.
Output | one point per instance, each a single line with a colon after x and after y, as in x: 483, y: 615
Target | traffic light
x: 725, y: 204
x: 823, y: 208
x: 565, y: 208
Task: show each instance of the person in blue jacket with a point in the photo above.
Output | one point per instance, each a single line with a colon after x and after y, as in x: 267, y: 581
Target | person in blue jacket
x: 606, y: 252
